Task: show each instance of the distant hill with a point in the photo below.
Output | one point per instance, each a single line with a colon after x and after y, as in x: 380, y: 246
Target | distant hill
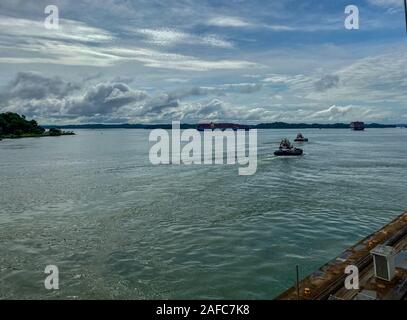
x: 273, y: 125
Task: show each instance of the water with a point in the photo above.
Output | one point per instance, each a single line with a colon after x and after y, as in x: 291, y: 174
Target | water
x: 118, y: 227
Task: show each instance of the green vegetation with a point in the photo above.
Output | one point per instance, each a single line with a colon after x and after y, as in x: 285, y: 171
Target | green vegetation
x: 14, y: 126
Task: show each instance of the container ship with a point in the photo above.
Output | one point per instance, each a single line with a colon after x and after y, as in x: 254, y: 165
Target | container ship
x: 221, y: 126
x: 357, y: 126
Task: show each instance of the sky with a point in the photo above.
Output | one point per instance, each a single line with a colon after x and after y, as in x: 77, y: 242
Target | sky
x: 246, y: 61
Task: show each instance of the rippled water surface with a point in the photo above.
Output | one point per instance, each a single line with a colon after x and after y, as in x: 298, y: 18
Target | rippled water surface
x: 118, y: 227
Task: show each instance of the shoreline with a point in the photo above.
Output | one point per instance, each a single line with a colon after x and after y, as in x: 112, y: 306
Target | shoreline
x: 14, y: 137
x: 186, y: 126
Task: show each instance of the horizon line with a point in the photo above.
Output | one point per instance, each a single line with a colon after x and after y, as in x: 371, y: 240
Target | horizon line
x: 141, y: 125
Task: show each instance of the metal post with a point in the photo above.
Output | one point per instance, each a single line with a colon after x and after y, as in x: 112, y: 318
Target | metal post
x: 298, y: 282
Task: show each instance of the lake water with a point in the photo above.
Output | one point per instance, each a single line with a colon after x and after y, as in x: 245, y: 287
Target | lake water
x: 118, y: 227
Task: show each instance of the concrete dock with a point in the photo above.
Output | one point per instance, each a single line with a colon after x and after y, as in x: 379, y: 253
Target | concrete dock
x: 328, y: 282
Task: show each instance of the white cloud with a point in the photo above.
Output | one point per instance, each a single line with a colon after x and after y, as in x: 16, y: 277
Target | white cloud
x: 77, y: 44
x: 224, y: 21
x: 387, y: 3
x: 349, y: 113
x: 374, y: 80
x: 177, y: 80
x: 172, y: 37
x: 336, y: 112
x: 287, y: 79
x: 158, y: 59
x: 78, y: 54
x: 68, y: 30
x: 235, y: 22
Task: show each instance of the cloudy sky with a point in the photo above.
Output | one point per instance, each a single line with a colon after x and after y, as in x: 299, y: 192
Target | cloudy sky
x: 249, y: 61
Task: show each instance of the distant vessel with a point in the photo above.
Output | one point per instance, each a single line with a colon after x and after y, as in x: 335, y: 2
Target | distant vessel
x: 300, y: 138
x: 357, y: 126
x: 221, y: 126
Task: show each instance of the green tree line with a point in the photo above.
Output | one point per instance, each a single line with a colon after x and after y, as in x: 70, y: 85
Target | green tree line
x: 14, y: 124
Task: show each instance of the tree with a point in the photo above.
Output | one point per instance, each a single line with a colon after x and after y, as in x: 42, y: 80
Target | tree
x: 14, y: 124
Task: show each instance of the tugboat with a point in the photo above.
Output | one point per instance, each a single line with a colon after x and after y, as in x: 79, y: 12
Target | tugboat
x: 287, y: 149
x: 300, y: 138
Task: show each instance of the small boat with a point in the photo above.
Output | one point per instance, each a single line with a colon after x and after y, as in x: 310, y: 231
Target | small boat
x: 288, y: 152
x: 301, y: 138
x: 286, y: 149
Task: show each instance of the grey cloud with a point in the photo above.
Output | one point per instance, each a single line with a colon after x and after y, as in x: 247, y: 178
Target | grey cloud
x: 242, y: 88
x: 108, y: 102
x: 37, y: 95
x: 94, y: 76
x: 214, y: 109
x: 193, y: 92
x: 327, y: 82
x: 123, y: 79
x: 31, y: 85
x: 192, y: 112
x: 245, y: 88
x: 105, y: 98
x: 157, y: 105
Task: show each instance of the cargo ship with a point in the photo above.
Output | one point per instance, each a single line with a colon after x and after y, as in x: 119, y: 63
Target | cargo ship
x: 221, y: 126
x: 357, y: 126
